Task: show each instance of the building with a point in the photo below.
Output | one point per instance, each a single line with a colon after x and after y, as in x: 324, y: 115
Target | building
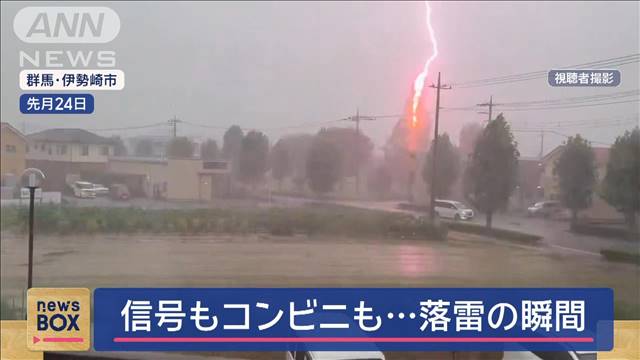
x: 148, y: 146
x: 60, y: 153
x: 171, y: 179
x: 13, y: 161
x: 551, y: 189
x: 528, y: 189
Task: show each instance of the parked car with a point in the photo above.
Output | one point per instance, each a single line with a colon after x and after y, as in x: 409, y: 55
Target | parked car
x: 335, y: 355
x: 100, y: 190
x: 119, y: 192
x: 83, y: 190
x: 453, y: 210
x: 544, y: 208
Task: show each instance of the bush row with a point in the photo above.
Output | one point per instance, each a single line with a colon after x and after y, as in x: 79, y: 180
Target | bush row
x: 601, y: 230
x: 494, y: 232
x: 621, y: 256
x: 65, y: 220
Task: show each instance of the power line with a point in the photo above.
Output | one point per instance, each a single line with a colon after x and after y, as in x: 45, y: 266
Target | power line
x: 570, y: 106
x: 611, y: 62
x: 578, y: 99
x: 562, y: 103
x: 556, y: 133
x: 130, y: 127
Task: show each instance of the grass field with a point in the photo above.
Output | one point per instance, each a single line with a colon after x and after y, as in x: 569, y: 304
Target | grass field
x: 300, y: 260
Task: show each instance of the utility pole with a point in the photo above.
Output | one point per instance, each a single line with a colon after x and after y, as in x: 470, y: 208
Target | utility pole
x: 357, y: 120
x: 541, y: 143
x: 174, y: 122
x: 489, y: 104
x: 435, y: 147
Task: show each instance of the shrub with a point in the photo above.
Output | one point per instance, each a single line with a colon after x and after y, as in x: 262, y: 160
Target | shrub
x: 503, y: 234
x: 334, y: 220
x: 607, y: 231
x: 621, y: 256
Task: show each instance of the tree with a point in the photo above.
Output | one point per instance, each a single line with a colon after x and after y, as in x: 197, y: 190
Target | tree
x: 298, y: 146
x: 232, y: 143
x: 493, y: 169
x: 280, y: 161
x: 180, y: 147
x: 355, y: 147
x: 468, y: 136
x: 209, y: 150
x: 252, y: 160
x: 379, y: 182
x: 119, y: 149
x: 324, y: 165
x: 447, y: 166
x: 576, y: 172
x: 144, y: 148
x: 621, y: 187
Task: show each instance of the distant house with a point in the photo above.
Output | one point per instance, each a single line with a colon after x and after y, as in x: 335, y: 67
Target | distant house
x: 148, y: 146
x: 13, y: 161
x: 528, y: 189
x: 63, y: 152
x: 550, y: 186
x: 171, y: 179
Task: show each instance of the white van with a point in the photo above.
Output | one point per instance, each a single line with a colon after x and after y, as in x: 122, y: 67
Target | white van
x: 83, y: 189
x: 453, y: 210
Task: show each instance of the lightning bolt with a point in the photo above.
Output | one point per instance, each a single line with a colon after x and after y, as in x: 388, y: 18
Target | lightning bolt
x: 418, y: 84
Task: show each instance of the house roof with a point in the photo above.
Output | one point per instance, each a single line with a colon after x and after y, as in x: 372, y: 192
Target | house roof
x: 74, y: 136
x: 6, y: 126
x: 601, y: 155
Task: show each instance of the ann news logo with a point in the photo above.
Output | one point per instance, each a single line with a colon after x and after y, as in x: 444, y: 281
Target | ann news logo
x: 59, y: 319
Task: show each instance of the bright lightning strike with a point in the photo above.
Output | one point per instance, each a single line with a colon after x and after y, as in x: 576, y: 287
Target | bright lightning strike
x: 418, y: 84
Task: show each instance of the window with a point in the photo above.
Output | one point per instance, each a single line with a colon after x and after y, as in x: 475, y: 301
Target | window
x: 214, y: 165
x: 84, y: 150
x: 61, y: 149
x: 105, y: 151
x: 10, y: 148
x: 26, y: 148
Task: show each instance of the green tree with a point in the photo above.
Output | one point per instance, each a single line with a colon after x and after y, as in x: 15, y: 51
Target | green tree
x: 576, y: 172
x: 447, y: 166
x: 621, y: 187
x: 252, y: 161
x: 355, y: 147
x: 281, y: 166
x: 209, y: 150
x: 144, y: 148
x: 324, y: 165
x: 379, y: 182
x: 232, y: 143
x: 493, y: 168
x: 180, y: 147
x: 468, y: 136
x: 119, y: 149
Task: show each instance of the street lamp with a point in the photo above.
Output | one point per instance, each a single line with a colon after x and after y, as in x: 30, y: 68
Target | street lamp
x: 33, y: 178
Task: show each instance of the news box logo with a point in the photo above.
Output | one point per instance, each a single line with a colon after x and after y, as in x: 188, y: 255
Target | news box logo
x: 59, y: 319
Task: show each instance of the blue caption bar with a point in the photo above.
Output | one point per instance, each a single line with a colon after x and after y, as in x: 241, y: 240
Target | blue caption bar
x: 56, y: 103
x: 412, y: 319
x: 584, y: 78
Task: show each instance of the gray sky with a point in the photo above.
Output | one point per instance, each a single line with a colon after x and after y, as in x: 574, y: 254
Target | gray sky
x: 265, y: 65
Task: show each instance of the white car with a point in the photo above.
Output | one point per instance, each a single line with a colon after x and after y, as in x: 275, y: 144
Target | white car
x: 544, y: 208
x: 100, y: 190
x: 453, y: 210
x: 335, y: 355
x: 83, y: 190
